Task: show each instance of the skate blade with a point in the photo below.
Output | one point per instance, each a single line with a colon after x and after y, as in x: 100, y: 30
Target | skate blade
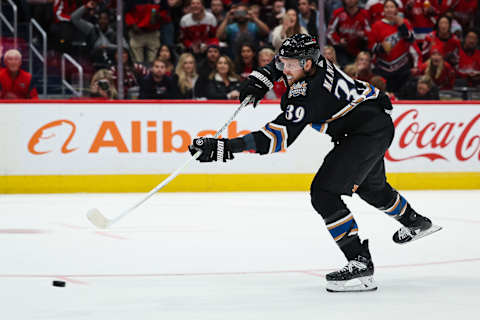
x: 362, y: 284
x: 429, y: 231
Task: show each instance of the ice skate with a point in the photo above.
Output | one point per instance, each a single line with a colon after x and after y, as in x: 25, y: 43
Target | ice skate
x: 356, y: 276
x: 415, y: 227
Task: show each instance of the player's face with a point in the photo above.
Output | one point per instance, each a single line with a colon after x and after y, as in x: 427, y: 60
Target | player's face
x: 291, y: 69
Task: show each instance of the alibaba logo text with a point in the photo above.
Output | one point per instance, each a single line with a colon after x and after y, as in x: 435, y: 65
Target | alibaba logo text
x: 48, y: 137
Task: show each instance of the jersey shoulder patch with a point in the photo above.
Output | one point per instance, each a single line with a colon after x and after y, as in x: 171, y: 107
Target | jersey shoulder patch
x: 298, y: 89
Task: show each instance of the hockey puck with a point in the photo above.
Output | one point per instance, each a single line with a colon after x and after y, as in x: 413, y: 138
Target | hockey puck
x: 57, y: 283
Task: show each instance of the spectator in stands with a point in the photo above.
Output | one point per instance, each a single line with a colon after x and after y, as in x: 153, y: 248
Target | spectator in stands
x: 168, y: 56
x: 218, y: 10
x: 246, y: 61
x: 186, y: 77
x: 102, y: 85
x: 348, y: 30
x: 375, y: 10
x: 157, y: 85
x: 364, y: 67
x: 464, y: 13
x: 15, y: 83
x: 330, y: 54
x: 439, y: 70
x: 422, y: 88
x: 380, y: 83
x: 272, y: 14
x: 241, y: 26
x: 132, y: 72
x: 264, y: 57
x: 392, y: 41
x: 146, y: 21
x: 62, y: 30
x: 290, y: 26
x: 469, y: 64
x: 423, y: 16
x: 101, y: 38
x: 443, y: 39
x: 198, y: 28
x: 208, y: 64
x: 307, y: 17
x: 223, y: 83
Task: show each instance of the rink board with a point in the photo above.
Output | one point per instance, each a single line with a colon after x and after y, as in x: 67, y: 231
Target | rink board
x: 131, y: 147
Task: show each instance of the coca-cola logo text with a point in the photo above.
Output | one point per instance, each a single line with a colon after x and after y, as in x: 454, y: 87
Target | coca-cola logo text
x: 435, y: 140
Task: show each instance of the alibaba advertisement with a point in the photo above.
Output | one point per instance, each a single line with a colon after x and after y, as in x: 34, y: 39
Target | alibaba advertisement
x: 62, y: 139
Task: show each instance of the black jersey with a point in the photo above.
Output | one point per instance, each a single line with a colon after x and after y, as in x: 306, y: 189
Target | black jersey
x: 330, y: 101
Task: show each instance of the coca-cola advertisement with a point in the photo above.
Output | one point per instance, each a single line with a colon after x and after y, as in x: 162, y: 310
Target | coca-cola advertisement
x: 435, y: 137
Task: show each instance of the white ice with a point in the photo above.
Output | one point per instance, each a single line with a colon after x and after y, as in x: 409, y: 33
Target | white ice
x: 229, y: 256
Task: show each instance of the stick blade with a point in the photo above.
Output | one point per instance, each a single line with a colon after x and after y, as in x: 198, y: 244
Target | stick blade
x: 97, y: 218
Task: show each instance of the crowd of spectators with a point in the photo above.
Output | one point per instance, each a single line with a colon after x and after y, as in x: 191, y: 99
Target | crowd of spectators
x: 204, y: 49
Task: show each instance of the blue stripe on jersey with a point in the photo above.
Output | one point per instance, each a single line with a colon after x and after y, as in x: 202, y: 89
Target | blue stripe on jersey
x: 278, y: 134
x: 398, y: 207
x: 339, y: 231
x: 372, y: 92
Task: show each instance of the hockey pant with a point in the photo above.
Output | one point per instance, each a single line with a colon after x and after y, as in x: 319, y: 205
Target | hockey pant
x: 355, y: 165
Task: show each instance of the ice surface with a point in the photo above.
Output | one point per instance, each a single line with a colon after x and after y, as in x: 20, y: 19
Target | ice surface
x: 228, y: 256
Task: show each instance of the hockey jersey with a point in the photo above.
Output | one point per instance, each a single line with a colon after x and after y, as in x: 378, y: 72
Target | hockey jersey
x: 353, y: 29
x: 422, y: 14
x: 401, y: 48
x: 203, y: 31
x: 142, y: 12
x: 449, y: 48
x: 329, y: 101
x: 468, y: 64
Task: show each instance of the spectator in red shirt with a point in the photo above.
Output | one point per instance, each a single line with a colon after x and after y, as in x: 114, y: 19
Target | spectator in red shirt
x: 348, y: 30
x: 442, y: 38
x: 423, y: 15
x: 439, y: 70
x: 198, y: 28
x: 15, y: 83
x: 392, y: 41
x: 145, y: 19
x: 469, y: 64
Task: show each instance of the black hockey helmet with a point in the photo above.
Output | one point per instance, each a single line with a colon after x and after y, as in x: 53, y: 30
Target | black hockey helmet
x: 299, y: 46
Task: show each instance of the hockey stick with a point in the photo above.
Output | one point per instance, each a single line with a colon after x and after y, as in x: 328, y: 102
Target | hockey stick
x: 100, y: 221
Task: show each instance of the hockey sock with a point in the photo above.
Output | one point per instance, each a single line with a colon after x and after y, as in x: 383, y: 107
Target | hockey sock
x: 344, y: 231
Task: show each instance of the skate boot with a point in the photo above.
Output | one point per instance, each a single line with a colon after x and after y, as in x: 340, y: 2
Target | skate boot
x: 415, y: 226
x: 356, y: 276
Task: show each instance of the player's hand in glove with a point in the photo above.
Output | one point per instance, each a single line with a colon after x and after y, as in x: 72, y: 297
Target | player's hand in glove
x: 212, y: 149
x: 257, y: 85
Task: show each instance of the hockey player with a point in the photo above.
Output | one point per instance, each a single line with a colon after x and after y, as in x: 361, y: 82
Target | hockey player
x: 355, y: 115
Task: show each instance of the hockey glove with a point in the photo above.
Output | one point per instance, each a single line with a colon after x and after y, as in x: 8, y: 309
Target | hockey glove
x: 257, y: 85
x: 212, y: 149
